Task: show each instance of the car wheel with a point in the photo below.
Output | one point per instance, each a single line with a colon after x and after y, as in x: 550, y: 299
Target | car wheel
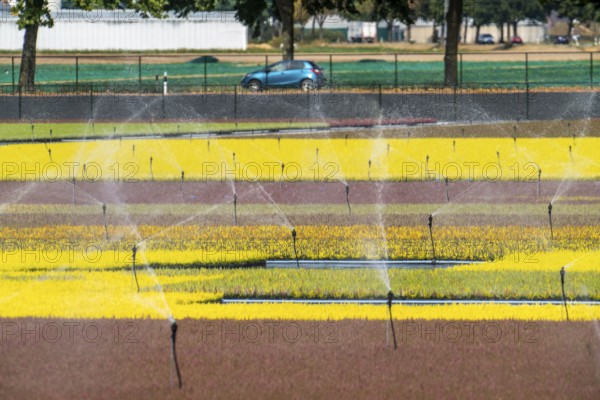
x: 254, y: 85
x: 307, y: 84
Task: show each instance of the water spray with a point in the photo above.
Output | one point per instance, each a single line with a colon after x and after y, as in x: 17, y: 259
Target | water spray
x: 105, y: 225
x: 174, y: 352
x: 133, y: 253
x: 235, y: 208
x: 390, y: 297
x: 447, y: 196
x: 151, y: 173
x: 562, y: 284
x: 550, y: 220
x: 348, y: 199
x: 294, y: 243
x: 539, y: 189
x: 431, y: 237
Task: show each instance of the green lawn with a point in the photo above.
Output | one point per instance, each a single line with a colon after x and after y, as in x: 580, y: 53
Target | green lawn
x: 41, y: 131
x: 366, y: 72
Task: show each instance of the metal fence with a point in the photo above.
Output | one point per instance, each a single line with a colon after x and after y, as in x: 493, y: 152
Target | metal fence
x: 145, y: 73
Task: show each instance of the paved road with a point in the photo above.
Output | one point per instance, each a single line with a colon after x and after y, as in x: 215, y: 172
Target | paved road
x: 476, y: 106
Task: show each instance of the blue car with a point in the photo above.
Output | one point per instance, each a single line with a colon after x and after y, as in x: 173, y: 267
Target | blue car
x: 292, y: 73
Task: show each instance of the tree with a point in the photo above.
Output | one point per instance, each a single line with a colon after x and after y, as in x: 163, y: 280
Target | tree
x: 33, y: 14
x: 453, y: 19
x: 390, y: 10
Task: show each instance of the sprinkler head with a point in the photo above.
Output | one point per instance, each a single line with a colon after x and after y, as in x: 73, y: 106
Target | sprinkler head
x: 235, y: 198
x: 539, y: 173
x: 390, y: 298
x: 173, y: 329
x: 430, y: 221
x: 347, y: 189
x: 182, y: 175
x: 446, y: 180
x: 104, y: 208
x: 549, y: 208
x: 293, y: 233
x: 134, y: 251
x: 562, y: 275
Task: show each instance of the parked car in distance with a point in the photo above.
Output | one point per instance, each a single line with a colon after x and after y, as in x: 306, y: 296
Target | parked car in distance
x: 516, y: 40
x: 290, y: 73
x: 561, y: 40
x: 485, y: 38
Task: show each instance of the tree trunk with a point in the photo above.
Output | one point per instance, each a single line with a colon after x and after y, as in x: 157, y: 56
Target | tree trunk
x: 390, y: 28
x: 434, y: 33
x: 465, y: 27
x: 286, y: 12
x: 515, y: 23
x: 27, y: 73
x: 501, y: 26
x: 477, y: 31
x: 314, y: 23
x: 453, y: 18
x: 408, y: 33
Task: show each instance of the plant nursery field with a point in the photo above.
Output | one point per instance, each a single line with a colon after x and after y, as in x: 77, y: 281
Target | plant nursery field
x: 126, y: 262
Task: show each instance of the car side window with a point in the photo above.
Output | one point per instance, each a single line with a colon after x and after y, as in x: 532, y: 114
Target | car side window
x: 296, y: 65
x: 279, y: 67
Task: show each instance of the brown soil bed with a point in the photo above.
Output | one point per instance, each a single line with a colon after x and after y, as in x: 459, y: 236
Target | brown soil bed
x: 298, y: 192
x: 299, y: 360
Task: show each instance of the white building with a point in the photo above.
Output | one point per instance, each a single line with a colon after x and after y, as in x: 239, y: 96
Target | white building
x: 97, y: 30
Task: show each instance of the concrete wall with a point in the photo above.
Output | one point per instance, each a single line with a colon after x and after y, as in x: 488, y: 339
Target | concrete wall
x: 108, y: 30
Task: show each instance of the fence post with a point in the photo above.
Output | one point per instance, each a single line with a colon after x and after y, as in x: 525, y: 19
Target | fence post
x: 461, y: 69
x: 76, y: 71
x: 140, y: 70
x: 379, y: 98
x: 526, y: 85
x: 395, y: 70
x: 527, y: 70
x: 205, y: 58
x: 591, y: 70
x: 235, y: 104
x: 20, y: 102
x: 13, y: 73
x: 91, y: 101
